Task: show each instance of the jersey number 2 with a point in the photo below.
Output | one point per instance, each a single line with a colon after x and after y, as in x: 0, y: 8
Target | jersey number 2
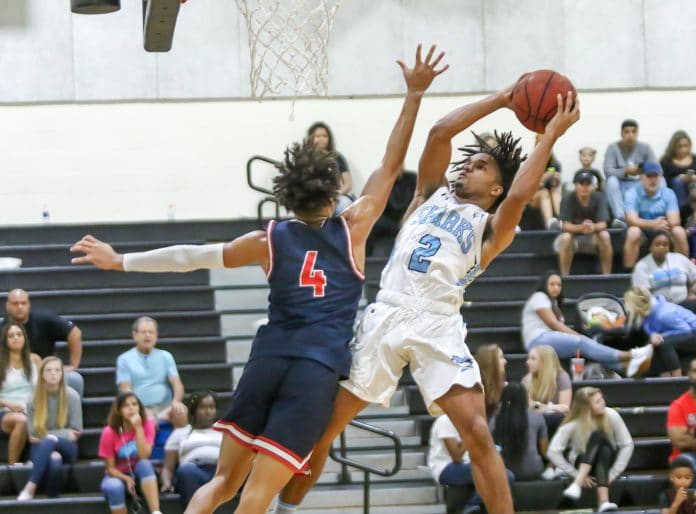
x: 418, y: 262
x: 310, y: 277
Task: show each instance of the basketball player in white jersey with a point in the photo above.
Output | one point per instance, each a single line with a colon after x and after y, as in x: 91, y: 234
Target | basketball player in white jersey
x: 449, y: 236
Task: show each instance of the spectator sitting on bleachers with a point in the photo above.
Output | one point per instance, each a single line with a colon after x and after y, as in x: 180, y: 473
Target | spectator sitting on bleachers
x: 665, y: 272
x: 675, y: 499
x: 669, y: 326
x: 622, y: 162
x: 44, y: 329
x: 18, y: 375
x: 543, y: 323
x: 320, y: 135
x: 194, y: 449
x: 383, y: 234
x: 491, y: 361
x: 125, y: 445
x: 690, y: 225
x: 54, y: 423
x: 587, y: 157
x: 548, y: 386
x: 600, y: 446
x: 651, y: 206
x: 152, y: 375
x: 548, y: 198
x: 679, y: 165
x: 584, y: 221
x: 521, y: 434
x: 681, y: 420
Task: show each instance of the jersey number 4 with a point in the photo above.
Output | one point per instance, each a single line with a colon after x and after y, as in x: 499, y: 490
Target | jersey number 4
x: 430, y: 246
x: 311, y: 277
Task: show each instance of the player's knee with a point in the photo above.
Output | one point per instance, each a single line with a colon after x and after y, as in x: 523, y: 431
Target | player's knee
x: 478, y: 439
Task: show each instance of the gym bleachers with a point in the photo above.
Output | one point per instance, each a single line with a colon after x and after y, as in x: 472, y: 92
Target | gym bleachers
x: 208, y: 319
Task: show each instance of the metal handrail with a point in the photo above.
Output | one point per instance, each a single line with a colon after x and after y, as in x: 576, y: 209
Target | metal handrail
x: 268, y: 199
x: 367, y: 469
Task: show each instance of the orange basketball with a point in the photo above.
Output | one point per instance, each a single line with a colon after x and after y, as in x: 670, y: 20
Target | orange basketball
x: 534, y: 97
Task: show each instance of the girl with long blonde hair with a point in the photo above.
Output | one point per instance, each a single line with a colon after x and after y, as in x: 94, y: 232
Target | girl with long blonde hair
x: 492, y: 363
x: 600, y: 446
x: 54, y: 423
x: 548, y: 386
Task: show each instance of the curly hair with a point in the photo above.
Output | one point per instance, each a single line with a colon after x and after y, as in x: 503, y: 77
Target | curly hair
x: 309, y: 178
x: 507, y: 154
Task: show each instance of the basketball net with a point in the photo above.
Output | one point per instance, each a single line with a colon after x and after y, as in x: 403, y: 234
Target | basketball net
x: 288, y: 46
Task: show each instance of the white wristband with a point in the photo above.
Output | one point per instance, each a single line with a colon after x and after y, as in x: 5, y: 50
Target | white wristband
x: 179, y: 258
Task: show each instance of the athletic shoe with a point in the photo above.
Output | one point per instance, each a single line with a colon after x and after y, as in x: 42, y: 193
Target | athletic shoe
x: 640, y: 360
x: 553, y: 225
x: 607, y: 506
x: 573, y: 491
x: 549, y: 474
x: 617, y: 223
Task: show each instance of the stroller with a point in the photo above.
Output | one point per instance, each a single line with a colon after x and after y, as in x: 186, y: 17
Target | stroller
x: 602, y: 317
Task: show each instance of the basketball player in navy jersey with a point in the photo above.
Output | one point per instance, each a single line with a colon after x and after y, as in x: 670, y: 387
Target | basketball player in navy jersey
x: 449, y: 236
x: 314, y: 267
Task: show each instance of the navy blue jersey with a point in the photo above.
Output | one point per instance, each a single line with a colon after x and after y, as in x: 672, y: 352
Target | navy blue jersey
x: 315, y: 290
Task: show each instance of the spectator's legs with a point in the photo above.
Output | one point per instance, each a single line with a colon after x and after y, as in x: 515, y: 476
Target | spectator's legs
x: 459, y: 474
x: 115, y: 493
x: 566, y: 251
x: 634, y: 236
x: 74, y: 379
x: 599, y: 455
x: 615, y: 197
x: 606, y: 252
x: 148, y: 483
x: 681, y: 244
x: 190, y: 477
x: 47, y: 458
x: 665, y: 361
x: 567, y: 345
x: 15, y: 424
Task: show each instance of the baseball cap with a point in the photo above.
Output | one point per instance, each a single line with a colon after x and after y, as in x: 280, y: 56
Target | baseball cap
x: 651, y: 168
x: 583, y: 176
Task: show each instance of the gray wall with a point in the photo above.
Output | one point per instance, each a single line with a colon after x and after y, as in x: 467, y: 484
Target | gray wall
x: 49, y: 54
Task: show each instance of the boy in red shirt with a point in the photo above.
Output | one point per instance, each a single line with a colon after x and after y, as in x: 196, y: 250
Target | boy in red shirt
x: 681, y: 420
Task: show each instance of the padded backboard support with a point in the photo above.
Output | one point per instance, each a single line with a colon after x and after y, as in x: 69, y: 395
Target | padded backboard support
x: 159, y: 21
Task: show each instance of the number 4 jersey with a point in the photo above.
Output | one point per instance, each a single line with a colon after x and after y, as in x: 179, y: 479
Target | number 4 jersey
x: 315, y: 290
x: 438, y: 250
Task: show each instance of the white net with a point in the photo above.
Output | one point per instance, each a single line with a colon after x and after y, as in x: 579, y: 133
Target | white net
x: 288, y: 45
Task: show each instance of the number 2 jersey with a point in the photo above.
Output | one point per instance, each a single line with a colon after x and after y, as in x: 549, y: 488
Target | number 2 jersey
x: 315, y: 290
x: 437, y: 252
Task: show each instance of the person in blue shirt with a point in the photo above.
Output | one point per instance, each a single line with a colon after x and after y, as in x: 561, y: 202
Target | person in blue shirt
x: 651, y: 207
x: 669, y: 327
x: 314, y: 264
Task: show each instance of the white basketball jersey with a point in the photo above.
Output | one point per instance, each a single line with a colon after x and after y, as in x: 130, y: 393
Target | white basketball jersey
x: 438, y: 250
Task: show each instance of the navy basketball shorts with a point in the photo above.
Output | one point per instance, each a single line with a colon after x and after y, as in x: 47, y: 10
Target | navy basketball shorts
x: 281, y: 408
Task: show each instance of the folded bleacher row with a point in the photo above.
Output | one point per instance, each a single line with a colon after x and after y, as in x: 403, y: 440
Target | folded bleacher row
x: 207, y: 320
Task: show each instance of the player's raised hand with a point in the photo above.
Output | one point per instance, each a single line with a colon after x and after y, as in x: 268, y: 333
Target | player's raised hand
x: 419, y: 78
x: 565, y: 116
x: 97, y: 252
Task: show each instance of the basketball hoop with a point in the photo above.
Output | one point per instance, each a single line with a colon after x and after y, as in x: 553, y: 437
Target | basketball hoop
x: 288, y: 45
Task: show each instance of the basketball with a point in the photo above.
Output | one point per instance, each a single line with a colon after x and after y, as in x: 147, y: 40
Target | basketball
x: 534, y: 97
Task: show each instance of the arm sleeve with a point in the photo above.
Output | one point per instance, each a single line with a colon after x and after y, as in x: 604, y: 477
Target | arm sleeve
x: 677, y: 323
x: 613, y: 162
x: 631, y: 201
x: 671, y: 198
x: 624, y: 442
x: 74, y: 411
x: 563, y: 381
x: 539, y: 300
x: 558, y: 445
x: 178, y: 258
x: 122, y: 371
x: 171, y: 366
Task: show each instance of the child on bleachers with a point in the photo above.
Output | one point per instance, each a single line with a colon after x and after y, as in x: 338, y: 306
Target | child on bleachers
x: 587, y: 157
x: 191, y: 452
x: 548, y: 386
x: 54, y: 423
x: 521, y: 434
x: 17, y: 381
x: 125, y: 445
x: 600, y: 446
x: 678, y: 498
x: 492, y: 363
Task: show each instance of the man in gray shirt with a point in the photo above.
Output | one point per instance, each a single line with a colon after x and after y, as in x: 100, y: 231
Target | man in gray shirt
x: 622, y: 166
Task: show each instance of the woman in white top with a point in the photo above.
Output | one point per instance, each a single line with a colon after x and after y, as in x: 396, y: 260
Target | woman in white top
x: 17, y: 381
x: 193, y: 448
x: 600, y: 446
x: 664, y: 271
x: 543, y: 323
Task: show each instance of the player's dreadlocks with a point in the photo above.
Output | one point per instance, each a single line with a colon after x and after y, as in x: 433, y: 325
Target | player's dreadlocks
x: 308, y: 180
x: 507, y: 155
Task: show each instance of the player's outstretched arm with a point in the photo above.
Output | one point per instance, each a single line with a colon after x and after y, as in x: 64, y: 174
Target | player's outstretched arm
x: 362, y: 214
x: 251, y: 248
x: 503, y: 223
